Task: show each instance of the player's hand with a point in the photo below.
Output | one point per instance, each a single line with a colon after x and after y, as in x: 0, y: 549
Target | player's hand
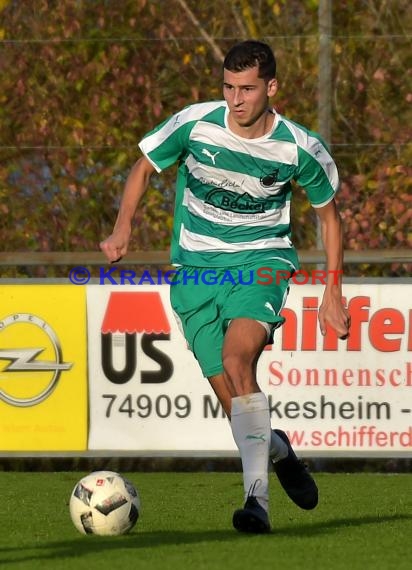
x: 115, y: 246
x: 332, y: 312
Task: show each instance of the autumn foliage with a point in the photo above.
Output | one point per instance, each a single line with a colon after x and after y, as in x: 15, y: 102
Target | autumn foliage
x: 82, y: 81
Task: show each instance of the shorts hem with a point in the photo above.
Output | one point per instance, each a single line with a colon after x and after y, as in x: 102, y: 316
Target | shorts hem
x: 213, y: 371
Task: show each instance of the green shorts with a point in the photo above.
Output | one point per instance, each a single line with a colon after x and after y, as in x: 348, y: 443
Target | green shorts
x: 206, y: 300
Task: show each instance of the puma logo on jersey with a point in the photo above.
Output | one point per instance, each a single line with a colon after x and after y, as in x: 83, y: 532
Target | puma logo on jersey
x: 210, y: 155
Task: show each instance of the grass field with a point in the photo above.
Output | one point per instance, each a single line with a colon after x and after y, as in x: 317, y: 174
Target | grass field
x: 364, y: 521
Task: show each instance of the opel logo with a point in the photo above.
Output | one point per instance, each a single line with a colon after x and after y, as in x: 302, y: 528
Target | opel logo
x: 27, y: 360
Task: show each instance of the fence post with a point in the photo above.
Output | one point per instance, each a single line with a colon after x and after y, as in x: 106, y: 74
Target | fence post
x: 324, y: 81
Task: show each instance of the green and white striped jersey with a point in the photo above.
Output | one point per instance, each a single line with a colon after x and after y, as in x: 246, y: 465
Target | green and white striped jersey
x: 232, y: 193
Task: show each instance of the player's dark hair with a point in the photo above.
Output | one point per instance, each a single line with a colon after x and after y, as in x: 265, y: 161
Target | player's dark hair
x: 250, y: 53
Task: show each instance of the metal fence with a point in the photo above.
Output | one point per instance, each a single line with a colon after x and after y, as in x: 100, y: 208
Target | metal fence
x: 161, y: 257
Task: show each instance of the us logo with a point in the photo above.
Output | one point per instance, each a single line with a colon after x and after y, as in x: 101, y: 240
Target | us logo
x: 31, y: 360
x: 132, y: 319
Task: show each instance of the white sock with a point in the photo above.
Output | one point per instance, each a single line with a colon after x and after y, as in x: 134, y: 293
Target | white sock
x: 250, y: 421
x: 278, y: 448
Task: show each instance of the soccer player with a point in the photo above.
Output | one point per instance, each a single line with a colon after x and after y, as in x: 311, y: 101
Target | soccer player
x: 236, y: 161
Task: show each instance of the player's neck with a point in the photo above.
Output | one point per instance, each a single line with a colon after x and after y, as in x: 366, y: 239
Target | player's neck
x: 259, y: 128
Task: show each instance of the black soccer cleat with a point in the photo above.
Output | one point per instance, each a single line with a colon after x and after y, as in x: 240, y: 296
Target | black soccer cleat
x: 295, y: 478
x: 252, y: 518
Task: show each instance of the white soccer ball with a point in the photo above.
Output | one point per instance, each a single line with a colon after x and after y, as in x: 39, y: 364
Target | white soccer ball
x: 104, y: 503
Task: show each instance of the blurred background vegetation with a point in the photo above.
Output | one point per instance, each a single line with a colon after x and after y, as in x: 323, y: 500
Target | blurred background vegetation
x: 83, y: 80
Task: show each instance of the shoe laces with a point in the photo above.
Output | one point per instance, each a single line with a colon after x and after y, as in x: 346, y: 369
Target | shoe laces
x: 303, y: 466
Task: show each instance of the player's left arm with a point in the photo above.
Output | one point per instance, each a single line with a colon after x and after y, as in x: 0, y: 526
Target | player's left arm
x: 332, y: 311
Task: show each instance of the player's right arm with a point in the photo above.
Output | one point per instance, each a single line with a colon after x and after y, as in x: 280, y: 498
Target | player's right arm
x: 115, y: 246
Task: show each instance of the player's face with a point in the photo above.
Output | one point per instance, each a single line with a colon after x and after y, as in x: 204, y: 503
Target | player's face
x: 247, y: 95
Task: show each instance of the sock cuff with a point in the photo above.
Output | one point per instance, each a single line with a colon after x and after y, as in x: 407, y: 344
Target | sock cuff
x: 249, y: 403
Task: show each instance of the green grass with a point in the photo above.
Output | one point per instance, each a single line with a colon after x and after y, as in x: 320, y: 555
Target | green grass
x: 363, y: 521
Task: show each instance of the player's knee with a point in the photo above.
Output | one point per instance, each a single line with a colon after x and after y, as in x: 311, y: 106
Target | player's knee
x: 240, y: 373
x: 232, y: 365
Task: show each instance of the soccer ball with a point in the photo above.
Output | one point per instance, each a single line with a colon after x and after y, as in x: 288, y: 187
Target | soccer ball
x: 104, y: 503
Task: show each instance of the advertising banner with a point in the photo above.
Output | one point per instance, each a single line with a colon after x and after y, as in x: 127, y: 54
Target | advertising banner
x: 333, y: 397
x: 43, y: 373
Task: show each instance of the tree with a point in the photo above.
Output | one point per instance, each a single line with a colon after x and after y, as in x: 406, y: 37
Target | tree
x: 83, y: 81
